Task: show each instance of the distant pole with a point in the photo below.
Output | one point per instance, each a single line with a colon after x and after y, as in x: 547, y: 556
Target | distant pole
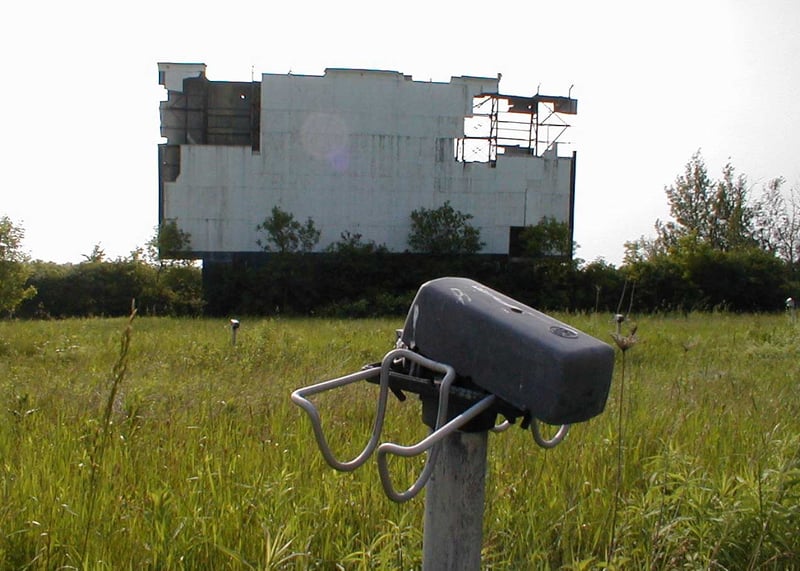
x: 454, y: 502
x: 234, y: 329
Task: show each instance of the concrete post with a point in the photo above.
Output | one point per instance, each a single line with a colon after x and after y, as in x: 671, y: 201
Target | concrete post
x: 454, y: 502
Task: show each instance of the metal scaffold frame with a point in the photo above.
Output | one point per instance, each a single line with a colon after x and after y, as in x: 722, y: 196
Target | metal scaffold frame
x: 513, y: 125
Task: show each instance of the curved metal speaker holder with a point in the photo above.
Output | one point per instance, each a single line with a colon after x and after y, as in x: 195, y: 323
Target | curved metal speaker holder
x: 300, y: 398
x: 442, y: 428
x: 502, y: 427
x: 552, y: 442
x: 428, y: 443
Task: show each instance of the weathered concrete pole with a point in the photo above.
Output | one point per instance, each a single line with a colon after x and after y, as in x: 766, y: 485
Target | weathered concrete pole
x: 454, y: 502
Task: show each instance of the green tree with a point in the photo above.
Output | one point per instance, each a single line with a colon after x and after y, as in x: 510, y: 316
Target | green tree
x: 598, y: 285
x: 661, y: 283
x: 548, y: 238
x: 777, y: 221
x: 715, y: 213
x: 285, y: 235
x: 177, y: 288
x: 169, y: 244
x: 720, y: 249
x: 443, y: 230
x: 97, y: 254
x: 14, y: 267
x: 643, y: 249
x: 353, y: 243
x: 732, y: 213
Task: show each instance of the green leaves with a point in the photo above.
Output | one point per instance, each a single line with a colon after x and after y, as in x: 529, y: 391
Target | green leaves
x: 715, y: 213
x: 170, y: 242
x: 443, y: 230
x: 547, y: 238
x: 284, y: 234
x: 14, y: 271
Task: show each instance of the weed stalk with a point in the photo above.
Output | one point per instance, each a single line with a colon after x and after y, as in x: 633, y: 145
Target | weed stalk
x: 624, y: 343
x: 101, y: 438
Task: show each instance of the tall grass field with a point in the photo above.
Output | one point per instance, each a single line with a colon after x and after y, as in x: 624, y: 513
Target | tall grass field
x: 158, y: 443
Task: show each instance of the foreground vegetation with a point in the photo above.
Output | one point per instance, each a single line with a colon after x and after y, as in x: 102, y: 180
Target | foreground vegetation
x: 182, y: 450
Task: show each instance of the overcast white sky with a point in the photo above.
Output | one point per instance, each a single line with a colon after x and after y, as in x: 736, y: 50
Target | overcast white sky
x: 655, y: 81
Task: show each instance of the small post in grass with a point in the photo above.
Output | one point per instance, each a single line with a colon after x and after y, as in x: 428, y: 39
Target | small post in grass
x: 234, y: 329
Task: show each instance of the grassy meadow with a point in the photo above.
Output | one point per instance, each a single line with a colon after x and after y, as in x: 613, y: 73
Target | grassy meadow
x: 173, y: 448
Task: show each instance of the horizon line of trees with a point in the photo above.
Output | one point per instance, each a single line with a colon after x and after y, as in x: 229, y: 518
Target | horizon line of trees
x: 722, y: 249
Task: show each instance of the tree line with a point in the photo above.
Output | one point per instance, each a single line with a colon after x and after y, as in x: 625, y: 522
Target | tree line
x: 722, y: 248
x: 154, y: 276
